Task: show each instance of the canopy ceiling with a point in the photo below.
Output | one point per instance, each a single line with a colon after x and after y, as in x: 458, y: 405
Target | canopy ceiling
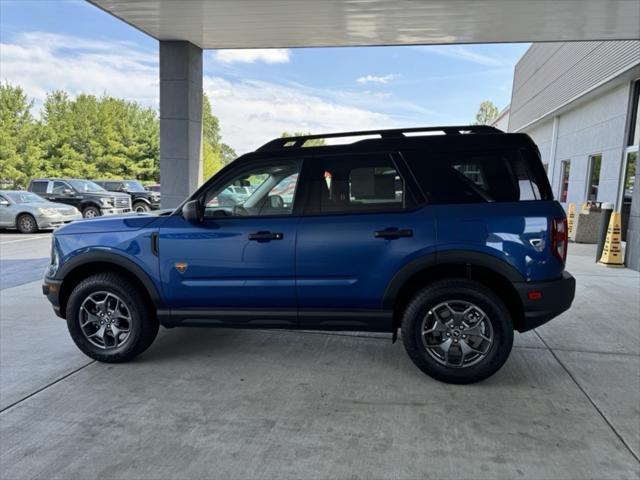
x: 315, y: 23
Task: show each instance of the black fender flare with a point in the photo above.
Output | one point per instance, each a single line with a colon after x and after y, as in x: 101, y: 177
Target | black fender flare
x: 115, y: 259
x: 89, y: 203
x: 140, y: 199
x: 459, y: 257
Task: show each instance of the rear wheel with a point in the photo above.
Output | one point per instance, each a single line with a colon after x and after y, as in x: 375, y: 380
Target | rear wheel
x: 109, y: 319
x: 91, y: 212
x: 26, y: 223
x: 457, y: 331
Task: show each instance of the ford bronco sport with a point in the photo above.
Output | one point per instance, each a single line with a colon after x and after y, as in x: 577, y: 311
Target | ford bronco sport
x: 448, y: 234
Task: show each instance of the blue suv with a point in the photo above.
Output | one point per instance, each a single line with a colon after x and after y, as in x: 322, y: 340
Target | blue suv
x: 449, y: 234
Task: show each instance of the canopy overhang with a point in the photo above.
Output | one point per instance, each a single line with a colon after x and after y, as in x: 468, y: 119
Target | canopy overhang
x: 332, y: 23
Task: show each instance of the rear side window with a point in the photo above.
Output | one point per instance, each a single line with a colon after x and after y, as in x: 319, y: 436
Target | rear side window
x: 354, y: 183
x: 468, y: 177
x: 39, y: 186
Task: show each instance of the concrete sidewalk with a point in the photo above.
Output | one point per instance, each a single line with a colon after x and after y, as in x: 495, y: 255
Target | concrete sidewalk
x: 256, y: 404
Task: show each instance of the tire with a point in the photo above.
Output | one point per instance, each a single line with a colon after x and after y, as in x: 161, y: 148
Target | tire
x: 141, y: 207
x: 91, y: 212
x: 446, y: 311
x: 26, y: 223
x: 132, y: 341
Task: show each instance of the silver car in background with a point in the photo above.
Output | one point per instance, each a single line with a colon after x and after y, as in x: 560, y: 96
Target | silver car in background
x: 29, y: 212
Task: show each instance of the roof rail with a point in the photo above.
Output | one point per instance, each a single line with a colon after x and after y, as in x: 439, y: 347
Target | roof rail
x: 297, y: 142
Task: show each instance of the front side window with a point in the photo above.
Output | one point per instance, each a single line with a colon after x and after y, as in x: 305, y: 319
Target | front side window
x: 354, y: 184
x: 60, y: 187
x: 267, y: 190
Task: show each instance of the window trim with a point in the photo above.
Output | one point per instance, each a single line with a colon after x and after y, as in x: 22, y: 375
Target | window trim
x: 233, y: 172
x: 311, y: 160
x: 562, y: 162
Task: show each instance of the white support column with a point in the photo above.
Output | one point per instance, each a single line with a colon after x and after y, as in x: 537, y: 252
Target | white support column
x: 180, y: 120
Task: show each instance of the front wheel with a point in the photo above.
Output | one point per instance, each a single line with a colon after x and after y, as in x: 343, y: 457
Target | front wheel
x: 109, y: 318
x: 91, y: 212
x: 141, y: 207
x: 27, y: 224
x: 457, y: 331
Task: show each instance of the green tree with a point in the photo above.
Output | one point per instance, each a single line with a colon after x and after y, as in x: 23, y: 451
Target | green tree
x: 215, y: 154
x: 20, y: 152
x: 487, y: 113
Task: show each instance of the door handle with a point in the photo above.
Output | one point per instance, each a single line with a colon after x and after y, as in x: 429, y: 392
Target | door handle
x: 393, y: 233
x: 266, y: 236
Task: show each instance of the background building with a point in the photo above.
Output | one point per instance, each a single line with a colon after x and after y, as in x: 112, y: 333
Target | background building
x: 579, y: 102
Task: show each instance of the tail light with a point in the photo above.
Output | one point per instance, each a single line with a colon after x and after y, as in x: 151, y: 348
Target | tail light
x: 559, y: 238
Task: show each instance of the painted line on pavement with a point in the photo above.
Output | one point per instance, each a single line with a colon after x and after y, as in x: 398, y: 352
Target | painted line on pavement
x: 24, y: 240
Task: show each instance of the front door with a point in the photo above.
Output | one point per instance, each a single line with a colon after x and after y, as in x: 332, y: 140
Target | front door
x: 360, y: 226
x: 62, y: 192
x: 241, y: 256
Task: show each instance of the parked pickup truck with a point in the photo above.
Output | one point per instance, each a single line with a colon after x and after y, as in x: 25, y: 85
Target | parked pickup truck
x: 449, y: 235
x: 91, y: 199
x: 141, y: 199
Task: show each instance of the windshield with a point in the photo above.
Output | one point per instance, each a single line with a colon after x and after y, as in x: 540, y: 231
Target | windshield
x: 24, y: 197
x: 133, y: 186
x: 86, y: 186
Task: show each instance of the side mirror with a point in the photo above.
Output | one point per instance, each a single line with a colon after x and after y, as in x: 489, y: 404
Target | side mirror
x: 67, y: 191
x: 4, y: 203
x: 192, y: 211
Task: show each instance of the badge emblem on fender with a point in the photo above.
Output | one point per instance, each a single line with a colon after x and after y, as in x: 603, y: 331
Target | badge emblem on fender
x: 181, y: 267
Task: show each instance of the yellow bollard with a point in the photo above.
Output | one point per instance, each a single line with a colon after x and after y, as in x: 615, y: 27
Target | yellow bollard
x: 571, y: 217
x: 612, y: 252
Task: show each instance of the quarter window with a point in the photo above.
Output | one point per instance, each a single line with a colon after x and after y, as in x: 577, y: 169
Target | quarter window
x: 267, y: 190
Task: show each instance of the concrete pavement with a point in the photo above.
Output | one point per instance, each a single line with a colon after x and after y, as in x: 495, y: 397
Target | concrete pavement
x: 256, y: 404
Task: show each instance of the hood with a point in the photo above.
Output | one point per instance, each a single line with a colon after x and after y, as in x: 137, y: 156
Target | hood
x: 112, y: 223
x: 106, y: 193
x: 55, y: 205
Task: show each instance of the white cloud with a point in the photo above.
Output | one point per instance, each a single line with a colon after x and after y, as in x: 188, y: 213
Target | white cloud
x: 459, y: 52
x: 378, y: 79
x: 252, y: 113
x: 266, y: 55
x: 42, y: 62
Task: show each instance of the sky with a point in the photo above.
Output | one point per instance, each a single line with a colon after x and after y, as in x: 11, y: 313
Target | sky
x: 256, y: 94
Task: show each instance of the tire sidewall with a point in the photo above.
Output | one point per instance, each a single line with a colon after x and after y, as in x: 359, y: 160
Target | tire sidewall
x: 84, y: 212
x: 79, y: 294
x: 143, y: 207
x: 34, y: 225
x: 492, y: 306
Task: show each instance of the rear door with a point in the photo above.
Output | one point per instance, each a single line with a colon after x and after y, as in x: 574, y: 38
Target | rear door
x: 361, y: 224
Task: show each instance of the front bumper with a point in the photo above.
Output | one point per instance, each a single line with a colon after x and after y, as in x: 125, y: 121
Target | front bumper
x: 543, y: 301
x: 55, y: 221
x: 114, y: 211
x: 51, y: 288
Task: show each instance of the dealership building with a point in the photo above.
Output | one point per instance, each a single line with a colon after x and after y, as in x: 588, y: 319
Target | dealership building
x: 579, y: 102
